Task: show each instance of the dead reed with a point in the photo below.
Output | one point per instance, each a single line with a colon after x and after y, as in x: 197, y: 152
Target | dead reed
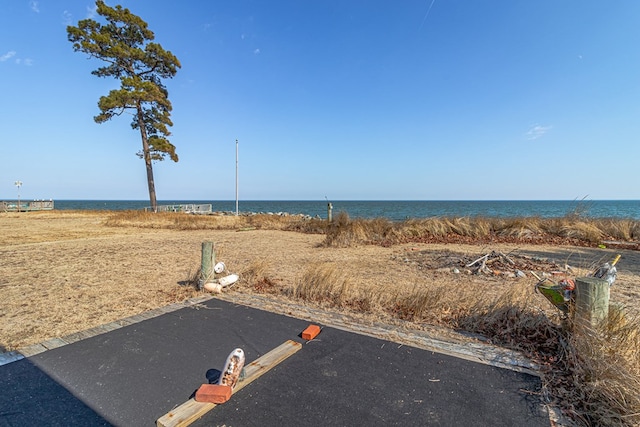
x: 345, y: 232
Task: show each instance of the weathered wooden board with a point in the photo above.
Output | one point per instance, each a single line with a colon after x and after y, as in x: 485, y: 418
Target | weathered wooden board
x: 191, y: 410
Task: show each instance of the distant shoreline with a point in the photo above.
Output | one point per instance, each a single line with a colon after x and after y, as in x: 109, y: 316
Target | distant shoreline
x: 396, y: 210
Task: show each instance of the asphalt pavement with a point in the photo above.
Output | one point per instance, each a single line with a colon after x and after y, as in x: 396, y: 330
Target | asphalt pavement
x: 133, y: 375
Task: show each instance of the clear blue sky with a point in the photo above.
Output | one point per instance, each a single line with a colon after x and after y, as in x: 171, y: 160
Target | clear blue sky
x: 352, y: 100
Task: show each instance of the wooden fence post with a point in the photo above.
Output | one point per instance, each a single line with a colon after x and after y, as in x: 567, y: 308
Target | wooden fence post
x: 592, y: 301
x: 207, y: 263
x: 329, y: 212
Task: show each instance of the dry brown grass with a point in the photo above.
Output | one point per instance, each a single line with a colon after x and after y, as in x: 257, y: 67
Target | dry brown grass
x: 344, y: 232
x: 67, y: 271
x: 185, y: 221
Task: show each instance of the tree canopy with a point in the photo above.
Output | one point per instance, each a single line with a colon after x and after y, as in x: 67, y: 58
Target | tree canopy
x: 126, y: 45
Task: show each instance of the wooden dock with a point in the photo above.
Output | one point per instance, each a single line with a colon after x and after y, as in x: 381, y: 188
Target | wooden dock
x: 26, y: 205
x: 187, y: 208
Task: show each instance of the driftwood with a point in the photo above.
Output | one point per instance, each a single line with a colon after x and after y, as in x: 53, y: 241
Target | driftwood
x: 488, y: 259
x: 478, y: 260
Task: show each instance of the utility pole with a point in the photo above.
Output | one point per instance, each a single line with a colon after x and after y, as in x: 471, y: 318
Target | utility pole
x: 18, y: 184
x: 236, y: 177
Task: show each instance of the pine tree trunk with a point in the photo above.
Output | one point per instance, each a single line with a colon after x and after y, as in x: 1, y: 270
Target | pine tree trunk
x: 147, y: 160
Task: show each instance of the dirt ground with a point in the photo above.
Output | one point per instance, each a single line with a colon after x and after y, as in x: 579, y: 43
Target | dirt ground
x: 63, y: 272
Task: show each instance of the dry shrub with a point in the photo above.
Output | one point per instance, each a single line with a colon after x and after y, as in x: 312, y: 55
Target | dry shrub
x: 521, y: 227
x: 593, y: 377
x: 483, y: 227
x: 620, y: 229
x: 178, y: 293
x: 258, y: 276
x: 423, y: 304
x: 463, y: 226
x: 272, y: 222
x: 323, y: 282
x: 553, y: 226
x: 582, y: 230
x: 377, y: 230
x: 424, y: 227
x: 327, y: 284
x: 513, y: 320
x: 599, y: 379
x: 437, y: 303
x: 192, y: 279
x: 310, y: 226
x: 623, y: 328
x: 342, y: 232
x: 441, y: 227
x: 136, y: 219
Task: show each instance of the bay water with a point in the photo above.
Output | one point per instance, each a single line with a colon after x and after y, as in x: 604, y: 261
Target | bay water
x: 395, y: 210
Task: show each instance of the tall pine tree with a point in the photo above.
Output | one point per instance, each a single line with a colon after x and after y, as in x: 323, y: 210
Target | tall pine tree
x: 125, y: 43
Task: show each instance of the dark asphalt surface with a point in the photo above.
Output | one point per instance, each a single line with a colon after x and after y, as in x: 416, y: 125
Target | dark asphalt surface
x: 134, y: 375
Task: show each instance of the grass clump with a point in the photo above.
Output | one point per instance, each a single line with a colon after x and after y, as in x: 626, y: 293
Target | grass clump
x: 327, y: 285
x: 344, y: 232
x: 323, y: 283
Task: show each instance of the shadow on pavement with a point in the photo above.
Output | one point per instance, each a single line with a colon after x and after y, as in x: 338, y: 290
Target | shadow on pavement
x: 30, y: 397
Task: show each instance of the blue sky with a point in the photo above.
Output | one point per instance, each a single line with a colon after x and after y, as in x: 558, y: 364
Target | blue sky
x: 349, y: 100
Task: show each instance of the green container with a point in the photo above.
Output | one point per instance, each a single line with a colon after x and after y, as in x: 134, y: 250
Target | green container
x: 555, y: 294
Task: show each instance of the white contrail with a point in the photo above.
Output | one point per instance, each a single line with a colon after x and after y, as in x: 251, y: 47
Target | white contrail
x: 426, y: 14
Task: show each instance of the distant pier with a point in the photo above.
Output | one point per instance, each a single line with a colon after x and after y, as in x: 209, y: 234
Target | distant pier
x: 26, y: 205
x: 186, y: 208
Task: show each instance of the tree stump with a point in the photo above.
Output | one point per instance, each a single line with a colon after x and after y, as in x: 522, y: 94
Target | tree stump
x: 207, y: 263
x: 592, y: 302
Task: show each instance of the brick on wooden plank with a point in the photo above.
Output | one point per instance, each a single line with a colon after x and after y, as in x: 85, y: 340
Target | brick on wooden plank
x: 190, y: 411
x: 213, y: 393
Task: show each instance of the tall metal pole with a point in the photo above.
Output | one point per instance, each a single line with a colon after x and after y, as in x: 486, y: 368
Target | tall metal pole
x: 18, y: 184
x: 236, y: 177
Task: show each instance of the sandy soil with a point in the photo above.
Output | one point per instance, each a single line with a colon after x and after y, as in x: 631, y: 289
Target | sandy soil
x: 63, y: 272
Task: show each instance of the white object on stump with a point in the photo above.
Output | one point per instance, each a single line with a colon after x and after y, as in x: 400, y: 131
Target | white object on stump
x: 219, y: 267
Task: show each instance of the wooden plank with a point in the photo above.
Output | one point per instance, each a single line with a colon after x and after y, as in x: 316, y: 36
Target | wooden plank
x: 53, y: 343
x: 79, y: 336
x: 32, y: 350
x: 112, y: 326
x: 191, y: 410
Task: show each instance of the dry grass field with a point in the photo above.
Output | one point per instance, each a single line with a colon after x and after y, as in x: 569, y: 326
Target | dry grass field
x: 66, y: 271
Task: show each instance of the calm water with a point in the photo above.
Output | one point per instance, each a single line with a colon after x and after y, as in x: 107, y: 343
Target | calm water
x: 394, y: 210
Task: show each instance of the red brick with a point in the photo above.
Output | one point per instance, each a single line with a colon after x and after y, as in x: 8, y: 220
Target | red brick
x: 213, y: 393
x: 311, y: 332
